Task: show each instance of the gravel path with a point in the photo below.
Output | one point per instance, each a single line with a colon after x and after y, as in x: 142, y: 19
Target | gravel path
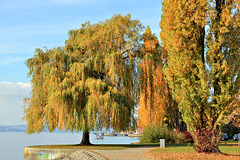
x: 138, y: 153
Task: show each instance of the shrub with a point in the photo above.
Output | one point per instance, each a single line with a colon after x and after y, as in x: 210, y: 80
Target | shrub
x: 188, y: 137
x: 178, y: 137
x: 153, y: 133
x: 202, y: 141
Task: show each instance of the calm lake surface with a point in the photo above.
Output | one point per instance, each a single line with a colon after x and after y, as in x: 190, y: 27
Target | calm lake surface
x: 12, y: 143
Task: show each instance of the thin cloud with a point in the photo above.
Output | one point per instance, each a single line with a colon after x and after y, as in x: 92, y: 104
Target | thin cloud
x: 11, y: 90
x: 71, y: 2
x: 11, y: 101
x: 33, y: 30
x: 7, y: 48
x: 10, y: 60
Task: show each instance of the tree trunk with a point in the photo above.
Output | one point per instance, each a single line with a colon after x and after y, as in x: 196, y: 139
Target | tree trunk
x: 206, y: 141
x: 85, y: 138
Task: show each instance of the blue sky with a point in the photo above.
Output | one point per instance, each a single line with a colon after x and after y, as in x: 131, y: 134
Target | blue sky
x: 29, y: 24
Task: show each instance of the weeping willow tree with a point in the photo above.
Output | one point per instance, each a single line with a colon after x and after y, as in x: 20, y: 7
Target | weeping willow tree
x: 152, y: 102
x: 202, y: 40
x: 88, y: 84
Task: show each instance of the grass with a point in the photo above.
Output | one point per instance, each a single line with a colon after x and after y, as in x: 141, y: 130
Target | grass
x: 176, y: 149
x: 170, y: 146
x: 186, y: 151
x: 184, y: 148
x: 94, y: 147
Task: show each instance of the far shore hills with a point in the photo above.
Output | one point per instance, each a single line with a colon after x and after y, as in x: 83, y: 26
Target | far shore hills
x: 23, y: 128
x: 13, y: 128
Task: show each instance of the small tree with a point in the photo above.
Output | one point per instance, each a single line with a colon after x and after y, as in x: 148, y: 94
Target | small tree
x: 89, y: 83
x: 201, y: 38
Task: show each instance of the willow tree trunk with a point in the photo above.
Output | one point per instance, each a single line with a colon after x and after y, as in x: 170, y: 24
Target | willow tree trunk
x: 85, y: 138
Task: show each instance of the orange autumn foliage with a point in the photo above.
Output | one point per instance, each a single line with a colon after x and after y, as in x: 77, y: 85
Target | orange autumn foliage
x: 152, y: 101
x: 157, y: 154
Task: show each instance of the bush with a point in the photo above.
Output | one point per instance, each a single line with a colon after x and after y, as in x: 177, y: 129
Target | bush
x: 203, y: 139
x: 188, y: 137
x: 153, y: 134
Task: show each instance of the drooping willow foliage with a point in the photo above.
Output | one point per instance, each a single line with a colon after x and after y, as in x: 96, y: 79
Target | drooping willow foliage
x: 88, y: 84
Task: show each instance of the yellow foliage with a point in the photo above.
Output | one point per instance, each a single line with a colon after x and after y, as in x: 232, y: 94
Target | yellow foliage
x: 202, y: 43
x: 87, y: 84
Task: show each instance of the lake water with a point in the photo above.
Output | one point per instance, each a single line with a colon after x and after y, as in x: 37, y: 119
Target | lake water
x: 12, y: 143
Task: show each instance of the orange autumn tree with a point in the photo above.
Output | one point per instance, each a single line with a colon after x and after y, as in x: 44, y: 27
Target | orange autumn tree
x: 152, y: 102
x: 202, y: 41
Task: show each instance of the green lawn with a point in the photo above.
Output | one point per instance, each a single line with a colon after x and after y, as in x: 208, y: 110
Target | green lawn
x: 93, y: 147
x: 228, y: 147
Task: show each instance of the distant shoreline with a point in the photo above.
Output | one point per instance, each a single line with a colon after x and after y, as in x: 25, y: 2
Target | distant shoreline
x: 23, y: 128
x: 13, y: 128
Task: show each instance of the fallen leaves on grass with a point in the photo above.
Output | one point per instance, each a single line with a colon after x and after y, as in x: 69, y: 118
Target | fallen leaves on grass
x: 189, y: 156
